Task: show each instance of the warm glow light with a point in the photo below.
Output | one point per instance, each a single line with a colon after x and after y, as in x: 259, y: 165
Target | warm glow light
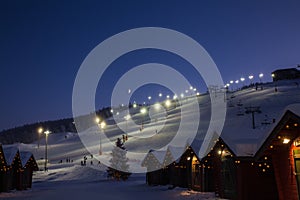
x: 127, y: 117
x: 219, y: 152
x: 40, y: 130
x: 286, y: 141
x: 273, y: 75
x: 143, y: 110
x: 157, y: 106
x: 287, y: 126
x: 102, y: 125
x: 97, y: 120
x: 188, y: 158
x: 295, y: 124
x: 168, y: 103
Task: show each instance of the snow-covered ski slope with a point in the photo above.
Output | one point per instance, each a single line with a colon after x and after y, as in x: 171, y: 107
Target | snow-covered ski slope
x: 77, y: 181
x: 163, y: 125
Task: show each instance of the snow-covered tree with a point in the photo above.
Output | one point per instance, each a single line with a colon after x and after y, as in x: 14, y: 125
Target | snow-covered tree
x: 119, y: 167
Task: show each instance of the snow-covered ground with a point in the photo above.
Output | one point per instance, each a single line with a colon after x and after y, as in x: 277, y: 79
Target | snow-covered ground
x: 70, y: 180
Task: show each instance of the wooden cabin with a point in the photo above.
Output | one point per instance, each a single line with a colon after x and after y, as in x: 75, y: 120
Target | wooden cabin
x: 286, y: 74
x: 3, y: 172
x: 29, y: 165
x: 16, y: 169
x: 163, y: 168
x: 14, y: 166
x: 282, y: 151
x: 272, y: 173
x: 156, y: 172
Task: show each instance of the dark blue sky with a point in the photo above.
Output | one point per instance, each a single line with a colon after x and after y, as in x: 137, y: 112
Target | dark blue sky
x: 43, y: 44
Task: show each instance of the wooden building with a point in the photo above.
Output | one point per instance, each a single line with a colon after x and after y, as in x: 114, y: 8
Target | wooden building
x: 29, y: 165
x: 272, y: 173
x: 3, y: 172
x: 16, y: 169
x: 285, y: 74
x: 156, y: 171
x: 13, y: 165
x: 163, y: 168
x: 257, y: 156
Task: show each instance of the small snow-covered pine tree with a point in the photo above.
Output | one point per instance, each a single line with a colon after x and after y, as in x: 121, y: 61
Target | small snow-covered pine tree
x: 119, y: 167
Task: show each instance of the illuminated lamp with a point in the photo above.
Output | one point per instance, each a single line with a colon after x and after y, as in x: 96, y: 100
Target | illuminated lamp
x: 286, y: 141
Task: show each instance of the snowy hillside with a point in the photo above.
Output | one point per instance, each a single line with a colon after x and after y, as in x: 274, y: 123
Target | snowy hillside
x: 71, y: 180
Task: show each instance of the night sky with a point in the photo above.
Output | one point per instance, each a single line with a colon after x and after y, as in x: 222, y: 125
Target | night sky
x: 43, y: 44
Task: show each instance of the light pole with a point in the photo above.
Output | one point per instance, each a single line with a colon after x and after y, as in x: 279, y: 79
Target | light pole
x: 237, y: 82
x: 149, y: 98
x: 102, y: 126
x: 231, y: 83
x: 242, y: 80
x: 40, y: 131
x: 47, y: 132
x: 251, y: 77
x: 127, y: 117
x: 261, y: 75
x: 143, y: 112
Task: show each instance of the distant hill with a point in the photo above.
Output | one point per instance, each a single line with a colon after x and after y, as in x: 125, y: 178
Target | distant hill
x: 28, y: 132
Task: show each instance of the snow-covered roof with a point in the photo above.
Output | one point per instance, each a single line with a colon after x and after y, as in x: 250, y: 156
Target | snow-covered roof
x: 25, y: 156
x: 159, y: 155
x: 175, y: 152
x: 9, y: 154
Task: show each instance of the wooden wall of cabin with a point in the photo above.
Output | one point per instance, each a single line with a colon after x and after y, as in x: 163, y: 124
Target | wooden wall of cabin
x: 5, y: 180
x: 158, y: 177
x: 283, y: 163
x: 252, y: 183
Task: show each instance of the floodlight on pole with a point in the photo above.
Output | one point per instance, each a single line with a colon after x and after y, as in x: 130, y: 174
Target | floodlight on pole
x: 40, y: 131
x: 47, y: 132
x: 143, y: 111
